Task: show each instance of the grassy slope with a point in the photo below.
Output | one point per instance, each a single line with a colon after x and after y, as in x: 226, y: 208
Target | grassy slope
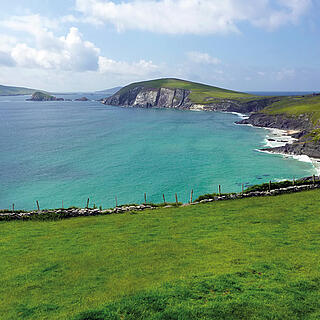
x: 296, y: 106
x: 253, y: 258
x: 200, y: 93
x: 7, y: 91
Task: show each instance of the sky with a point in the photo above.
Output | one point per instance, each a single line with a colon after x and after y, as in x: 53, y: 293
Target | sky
x: 88, y: 45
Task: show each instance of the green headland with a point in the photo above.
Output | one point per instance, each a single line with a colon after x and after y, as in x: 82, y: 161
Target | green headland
x: 13, y: 91
x: 200, y: 93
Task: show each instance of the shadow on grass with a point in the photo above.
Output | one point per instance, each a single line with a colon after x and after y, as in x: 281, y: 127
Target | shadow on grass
x: 259, y: 293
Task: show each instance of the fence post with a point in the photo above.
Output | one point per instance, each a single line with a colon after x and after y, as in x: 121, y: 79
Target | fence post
x: 176, y: 199
x: 242, y: 188
x: 314, y: 179
x: 191, y: 195
x: 62, y: 204
x: 293, y: 181
x: 88, y: 203
x: 145, y: 198
x: 164, y: 199
x: 270, y: 185
x: 219, y: 190
x: 116, y: 201
x: 13, y: 208
x: 38, y: 205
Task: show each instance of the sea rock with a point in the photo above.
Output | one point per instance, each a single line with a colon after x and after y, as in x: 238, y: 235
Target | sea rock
x: 40, y: 96
x: 82, y: 99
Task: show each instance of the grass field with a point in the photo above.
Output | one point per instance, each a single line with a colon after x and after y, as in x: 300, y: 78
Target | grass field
x: 200, y: 93
x: 254, y: 258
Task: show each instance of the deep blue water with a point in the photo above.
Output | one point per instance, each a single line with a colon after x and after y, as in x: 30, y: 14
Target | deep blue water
x: 54, y: 151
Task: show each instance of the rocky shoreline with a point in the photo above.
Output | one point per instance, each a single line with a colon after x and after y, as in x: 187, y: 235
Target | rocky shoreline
x: 299, y: 129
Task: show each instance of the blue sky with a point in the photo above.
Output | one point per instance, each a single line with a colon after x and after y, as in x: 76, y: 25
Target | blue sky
x: 81, y: 45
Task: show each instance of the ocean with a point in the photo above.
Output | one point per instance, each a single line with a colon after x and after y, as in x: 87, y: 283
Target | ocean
x: 72, y: 151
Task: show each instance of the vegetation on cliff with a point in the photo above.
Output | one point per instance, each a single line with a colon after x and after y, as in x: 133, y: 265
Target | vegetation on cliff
x: 199, y: 93
x: 297, y: 106
x: 253, y: 258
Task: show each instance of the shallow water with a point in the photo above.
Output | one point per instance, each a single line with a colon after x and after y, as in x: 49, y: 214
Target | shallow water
x: 54, y: 151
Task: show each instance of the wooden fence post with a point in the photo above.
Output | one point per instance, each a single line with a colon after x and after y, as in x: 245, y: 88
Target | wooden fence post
x: 293, y: 181
x: 88, y: 203
x: 176, y: 199
x: 314, y: 179
x: 242, y: 188
x: 62, y: 204
x: 270, y: 185
x: 13, y: 207
x: 38, y: 205
x: 164, y: 199
x: 116, y: 201
x: 191, y: 195
x: 219, y: 190
x: 145, y: 198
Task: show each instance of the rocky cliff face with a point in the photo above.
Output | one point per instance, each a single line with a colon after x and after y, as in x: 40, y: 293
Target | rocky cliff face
x: 279, y: 121
x: 179, y: 99
x: 151, y: 98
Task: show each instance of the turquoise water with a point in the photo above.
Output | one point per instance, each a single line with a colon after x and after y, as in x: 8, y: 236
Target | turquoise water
x: 54, y: 151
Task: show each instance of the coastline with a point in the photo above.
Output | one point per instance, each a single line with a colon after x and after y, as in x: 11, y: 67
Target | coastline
x: 279, y: 138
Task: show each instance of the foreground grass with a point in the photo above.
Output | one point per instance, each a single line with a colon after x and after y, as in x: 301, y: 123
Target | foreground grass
x: 254, y: 258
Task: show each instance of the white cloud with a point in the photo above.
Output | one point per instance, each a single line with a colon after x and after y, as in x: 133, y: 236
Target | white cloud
x: 141, y: 68
x: 285, y: 74
x: 65, y: 53
x: 193, y: 16
x: 201, y: 57
x: 44, y: 50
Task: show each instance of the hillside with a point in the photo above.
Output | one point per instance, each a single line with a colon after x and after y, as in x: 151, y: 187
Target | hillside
x: 298, y: 113
x: 181, y: 94
x: 200, y: 93
x: 255, y: 258
x: 14, y: 91
x: 297, y: 106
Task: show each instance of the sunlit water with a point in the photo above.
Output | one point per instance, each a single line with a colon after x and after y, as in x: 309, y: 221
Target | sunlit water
x: 71, y: 151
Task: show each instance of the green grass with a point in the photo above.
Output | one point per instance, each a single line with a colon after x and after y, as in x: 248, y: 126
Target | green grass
x: 296, y: 106
x: 200, y: 93
x: 8, y: 91
x: 254, y: 258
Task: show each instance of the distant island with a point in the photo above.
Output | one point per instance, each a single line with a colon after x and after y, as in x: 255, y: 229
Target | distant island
x: 300, y: 115
x: 15, y: 91
x: 41, y: 96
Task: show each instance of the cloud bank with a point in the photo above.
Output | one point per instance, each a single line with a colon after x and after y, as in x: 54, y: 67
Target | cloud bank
x: 193, y: 16
x: 42, y: 49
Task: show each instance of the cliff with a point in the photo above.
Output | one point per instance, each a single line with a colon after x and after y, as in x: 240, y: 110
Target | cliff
x: 301, y: 114
x: 148, y: 97
x: 181, y: 94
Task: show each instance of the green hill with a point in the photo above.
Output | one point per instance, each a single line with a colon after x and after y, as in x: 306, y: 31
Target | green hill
x: 14, y: 91
x: 200, y: 93
x: 296, y: 106
x: 255, y: 258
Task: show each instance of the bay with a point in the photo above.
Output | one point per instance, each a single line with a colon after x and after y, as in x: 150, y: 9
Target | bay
x: 71, y: 151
